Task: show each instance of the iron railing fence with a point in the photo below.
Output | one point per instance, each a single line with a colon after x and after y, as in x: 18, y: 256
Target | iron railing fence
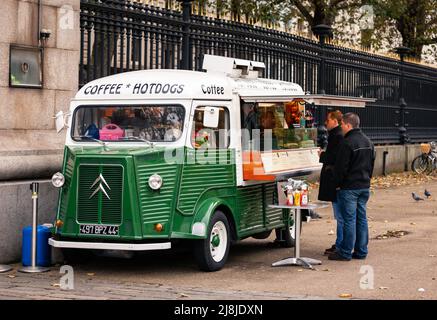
x: 118, y: 36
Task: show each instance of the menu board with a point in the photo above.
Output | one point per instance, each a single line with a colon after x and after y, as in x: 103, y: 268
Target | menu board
x: 289, y: 160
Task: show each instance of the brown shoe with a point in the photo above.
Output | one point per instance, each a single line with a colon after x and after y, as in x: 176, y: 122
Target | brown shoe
x: 330, y: 250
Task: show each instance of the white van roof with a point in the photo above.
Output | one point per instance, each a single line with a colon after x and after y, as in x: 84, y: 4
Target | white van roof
x: 182, y: 84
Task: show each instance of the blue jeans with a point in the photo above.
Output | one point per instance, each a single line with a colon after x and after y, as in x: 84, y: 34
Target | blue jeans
x: 355, y: 230
x: 339, y: 218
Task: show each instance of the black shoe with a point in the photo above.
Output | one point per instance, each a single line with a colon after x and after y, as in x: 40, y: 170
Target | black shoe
x: 355, y: 256
x: 336, y: 256
x: 330, y: 250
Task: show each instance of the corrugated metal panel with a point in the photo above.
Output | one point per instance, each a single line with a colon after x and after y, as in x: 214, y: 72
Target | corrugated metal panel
x: 98, y: 208
x: 250, y: 204
x: 68, y: 174
x: 156, y: 206
x: 200, y: 177
x: 87, y: 209
x: 274, y: 216
x: 111, y: 209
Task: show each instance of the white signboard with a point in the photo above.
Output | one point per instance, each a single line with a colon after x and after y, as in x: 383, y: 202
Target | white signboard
x: 289, y: 160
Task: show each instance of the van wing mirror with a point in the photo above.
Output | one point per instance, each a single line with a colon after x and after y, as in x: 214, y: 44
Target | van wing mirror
x: 211, y: 117
x: 60, y: 120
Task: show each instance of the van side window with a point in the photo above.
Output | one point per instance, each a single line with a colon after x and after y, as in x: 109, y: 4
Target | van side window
x: 212, y: 138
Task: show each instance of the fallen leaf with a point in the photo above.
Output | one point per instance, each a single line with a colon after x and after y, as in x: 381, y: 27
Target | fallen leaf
x: 392, y: 234
x: 345, y: 295
x: 183, y: 295
x: 56, y: 285
x: 325, y: 269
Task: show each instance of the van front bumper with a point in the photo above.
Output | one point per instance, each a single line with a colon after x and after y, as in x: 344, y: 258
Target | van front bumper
x: 110, y: 246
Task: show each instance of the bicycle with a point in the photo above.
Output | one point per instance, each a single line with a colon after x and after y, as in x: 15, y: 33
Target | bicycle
x: 427, y: 161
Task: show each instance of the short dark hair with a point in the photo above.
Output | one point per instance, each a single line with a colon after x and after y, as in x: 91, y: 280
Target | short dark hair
x: 352, y: 118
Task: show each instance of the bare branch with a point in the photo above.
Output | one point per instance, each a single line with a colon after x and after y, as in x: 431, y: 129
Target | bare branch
x: 304, y: 11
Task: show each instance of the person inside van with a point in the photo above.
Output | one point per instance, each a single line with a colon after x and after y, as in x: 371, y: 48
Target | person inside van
x: 268, y: 122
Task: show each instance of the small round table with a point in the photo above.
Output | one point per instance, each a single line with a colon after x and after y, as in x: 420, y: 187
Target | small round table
x: 297, y: 260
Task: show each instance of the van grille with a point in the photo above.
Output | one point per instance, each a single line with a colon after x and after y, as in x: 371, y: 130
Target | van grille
x: 94, y: 206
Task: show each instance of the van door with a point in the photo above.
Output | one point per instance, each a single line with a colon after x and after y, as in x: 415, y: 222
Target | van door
x: 209, y: 167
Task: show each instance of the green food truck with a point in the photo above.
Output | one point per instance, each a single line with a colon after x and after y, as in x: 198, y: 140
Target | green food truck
x: 155, y: 156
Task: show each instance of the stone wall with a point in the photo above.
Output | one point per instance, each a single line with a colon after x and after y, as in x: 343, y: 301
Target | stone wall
x: 29, y: 145
x: 16, y: 213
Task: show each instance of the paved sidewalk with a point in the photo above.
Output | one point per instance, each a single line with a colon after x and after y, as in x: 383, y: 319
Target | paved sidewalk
x: 15, y: 285
x: 401, y: 263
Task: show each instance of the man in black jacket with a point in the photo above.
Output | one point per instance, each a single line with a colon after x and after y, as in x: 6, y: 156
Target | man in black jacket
x: 327, y: 189
x: 352, y: 174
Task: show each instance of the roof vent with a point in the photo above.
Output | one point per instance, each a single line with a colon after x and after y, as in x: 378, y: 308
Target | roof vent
x: 235, y: 68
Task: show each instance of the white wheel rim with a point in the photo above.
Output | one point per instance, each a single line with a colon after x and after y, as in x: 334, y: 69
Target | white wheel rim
x: 218, y: 252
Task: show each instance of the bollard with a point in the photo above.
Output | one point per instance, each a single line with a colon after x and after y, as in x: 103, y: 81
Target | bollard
x: 34, y: 268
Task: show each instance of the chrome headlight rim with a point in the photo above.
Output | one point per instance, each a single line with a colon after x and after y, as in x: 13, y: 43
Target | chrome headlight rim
x: 155, y: 182
x: 58, y: 180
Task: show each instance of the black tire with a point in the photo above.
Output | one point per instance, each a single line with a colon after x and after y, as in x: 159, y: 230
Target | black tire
x: 202, y: 248
x: 77, y: 256
x: 285, y: 236
x: 422, y: 164
x: 262, y: 235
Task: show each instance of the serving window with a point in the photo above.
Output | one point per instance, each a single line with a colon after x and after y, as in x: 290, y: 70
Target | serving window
x: 277, y: 125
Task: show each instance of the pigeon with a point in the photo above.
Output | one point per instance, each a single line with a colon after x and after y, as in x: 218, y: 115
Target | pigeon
x: 416, y: 197
x: 427, y: 194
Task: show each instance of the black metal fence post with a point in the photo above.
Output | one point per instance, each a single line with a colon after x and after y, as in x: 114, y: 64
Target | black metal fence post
x: 121, y: 35
x: 403, y: 134
x: 322, y: 31
x: 187, y: 48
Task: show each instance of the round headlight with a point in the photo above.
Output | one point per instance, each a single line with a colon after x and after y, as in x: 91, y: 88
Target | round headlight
x: 155, y: 182
x: 58, y: 180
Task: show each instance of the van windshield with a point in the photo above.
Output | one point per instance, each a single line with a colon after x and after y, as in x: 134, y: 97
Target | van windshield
x: 154, y: 123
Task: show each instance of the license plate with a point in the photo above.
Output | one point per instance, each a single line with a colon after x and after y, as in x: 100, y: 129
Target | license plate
x: 99, y: 229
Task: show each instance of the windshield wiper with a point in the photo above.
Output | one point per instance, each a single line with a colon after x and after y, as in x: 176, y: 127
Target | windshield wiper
x: 93, y: 139
x: 141, y: 139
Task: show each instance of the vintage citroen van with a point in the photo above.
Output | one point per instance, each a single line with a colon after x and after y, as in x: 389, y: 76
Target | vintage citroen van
x: 159, y: 155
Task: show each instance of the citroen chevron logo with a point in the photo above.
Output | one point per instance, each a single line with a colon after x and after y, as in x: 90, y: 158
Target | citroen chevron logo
x: 101, y: 187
